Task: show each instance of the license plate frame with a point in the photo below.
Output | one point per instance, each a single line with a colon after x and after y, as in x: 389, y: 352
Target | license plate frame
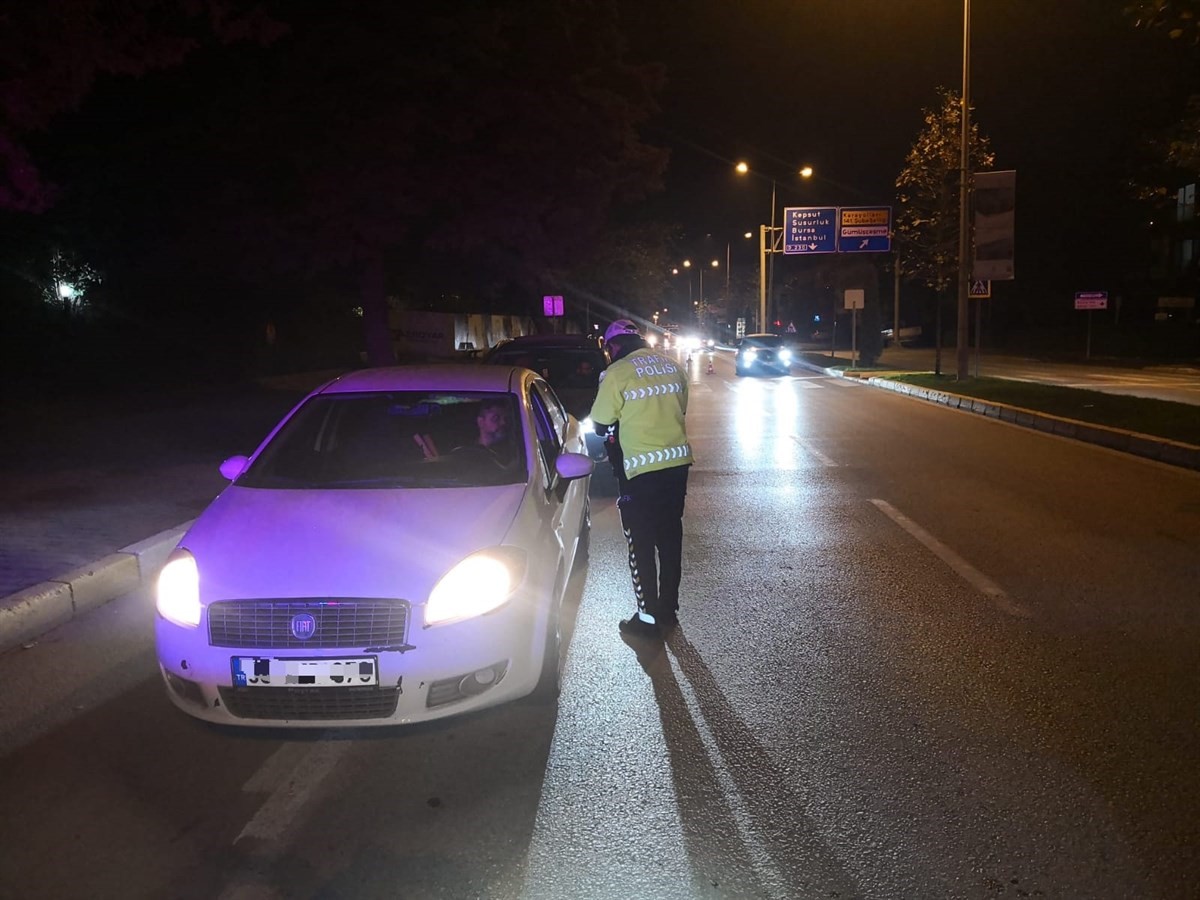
x: 304, y: 671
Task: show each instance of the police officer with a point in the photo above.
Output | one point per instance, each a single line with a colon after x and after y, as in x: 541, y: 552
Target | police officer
x: 643, y: 399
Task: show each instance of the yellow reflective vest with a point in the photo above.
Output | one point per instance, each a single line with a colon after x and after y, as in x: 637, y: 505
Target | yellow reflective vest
x: 646, y: 393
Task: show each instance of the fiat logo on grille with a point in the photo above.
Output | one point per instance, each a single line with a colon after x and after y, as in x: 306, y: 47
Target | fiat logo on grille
x: 304, y: 626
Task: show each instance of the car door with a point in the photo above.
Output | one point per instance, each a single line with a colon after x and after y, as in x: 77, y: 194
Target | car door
x: 563, y: 499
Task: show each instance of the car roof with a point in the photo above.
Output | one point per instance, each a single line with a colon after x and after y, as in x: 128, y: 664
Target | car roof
x: 442, y: 377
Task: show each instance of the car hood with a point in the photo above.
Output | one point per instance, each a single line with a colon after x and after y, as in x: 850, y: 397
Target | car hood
x: 259, y: 543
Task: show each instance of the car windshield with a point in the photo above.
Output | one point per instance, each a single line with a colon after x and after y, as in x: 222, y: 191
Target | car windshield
x: 766, y: 340
x: 405, y: 439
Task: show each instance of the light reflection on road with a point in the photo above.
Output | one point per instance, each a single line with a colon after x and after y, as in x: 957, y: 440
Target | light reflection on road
x: 766, y: 416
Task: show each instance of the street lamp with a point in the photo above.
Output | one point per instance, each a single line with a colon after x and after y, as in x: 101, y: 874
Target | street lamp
x: 729, y: 263
x: 964, y: 176
x: 766, y: 270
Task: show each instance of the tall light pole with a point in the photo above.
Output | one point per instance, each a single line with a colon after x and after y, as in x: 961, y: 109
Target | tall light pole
x: 766, y: 268
x: 964, y: 175
x: 768, y: 300
x: 729, y: 263
x: 716, y: 264
x: 697, y: 304
x: 687, y: 264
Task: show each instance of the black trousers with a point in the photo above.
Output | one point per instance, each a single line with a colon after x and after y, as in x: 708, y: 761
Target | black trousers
x: 652, y: 517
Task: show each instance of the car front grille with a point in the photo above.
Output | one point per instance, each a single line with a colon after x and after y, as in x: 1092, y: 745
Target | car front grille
x: 307, y: 624
x: 310, y: 704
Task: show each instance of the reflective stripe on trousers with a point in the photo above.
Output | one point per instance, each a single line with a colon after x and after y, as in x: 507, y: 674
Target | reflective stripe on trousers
x: 652, y: 519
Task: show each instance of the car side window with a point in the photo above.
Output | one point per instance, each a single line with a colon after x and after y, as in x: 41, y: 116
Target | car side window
x: 549, y: 432
x: 558, y: 412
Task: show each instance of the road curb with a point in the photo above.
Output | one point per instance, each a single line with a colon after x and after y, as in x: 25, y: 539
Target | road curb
x: 32, y: 612
x: 1161, y: 450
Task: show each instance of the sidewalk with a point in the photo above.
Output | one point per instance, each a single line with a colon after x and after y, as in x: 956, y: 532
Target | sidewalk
x: 94, y: 495
x: 903, y: 359
x: 922, y: 359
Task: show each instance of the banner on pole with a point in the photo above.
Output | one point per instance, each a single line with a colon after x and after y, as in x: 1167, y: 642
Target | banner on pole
x: 995, y: 216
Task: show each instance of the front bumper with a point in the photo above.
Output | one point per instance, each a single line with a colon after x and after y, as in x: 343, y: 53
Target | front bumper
x: 762, y: 366
x: 441, y: 671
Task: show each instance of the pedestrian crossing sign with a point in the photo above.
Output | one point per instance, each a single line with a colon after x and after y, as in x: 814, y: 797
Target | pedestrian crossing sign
x: 981, y: 288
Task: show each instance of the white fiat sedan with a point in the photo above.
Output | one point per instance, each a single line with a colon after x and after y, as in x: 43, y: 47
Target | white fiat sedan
x: 396, y: 550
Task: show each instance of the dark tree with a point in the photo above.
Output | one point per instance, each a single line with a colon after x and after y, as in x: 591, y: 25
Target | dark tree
x: 928, y: 193
x: 483, y: 145
x: 53, y: 51
x: 623, y: 275
x: 1180, y: 19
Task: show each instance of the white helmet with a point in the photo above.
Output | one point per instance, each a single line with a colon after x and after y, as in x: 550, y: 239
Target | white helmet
x: 619, y: 327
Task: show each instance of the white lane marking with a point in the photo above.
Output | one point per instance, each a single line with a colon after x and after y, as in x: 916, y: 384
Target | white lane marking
x: 973, y: 576
x: 769, y: 877
x: 272, y: 773
x: 293, y: 786
x: 292, y: 774
x: 807, y: 447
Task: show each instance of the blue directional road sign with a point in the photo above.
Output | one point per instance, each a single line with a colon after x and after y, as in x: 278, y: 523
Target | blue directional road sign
x: 864, y: 229
x: 810, y: 229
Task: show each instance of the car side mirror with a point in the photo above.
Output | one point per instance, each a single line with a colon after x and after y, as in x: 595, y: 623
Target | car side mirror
x: 573, y: 465
x: 234, y: 466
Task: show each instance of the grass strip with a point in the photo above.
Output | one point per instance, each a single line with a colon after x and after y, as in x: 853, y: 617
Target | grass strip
x: 1144, y: 415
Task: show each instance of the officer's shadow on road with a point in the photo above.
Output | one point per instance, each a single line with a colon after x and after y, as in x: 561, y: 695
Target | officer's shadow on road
x: 743, y: 815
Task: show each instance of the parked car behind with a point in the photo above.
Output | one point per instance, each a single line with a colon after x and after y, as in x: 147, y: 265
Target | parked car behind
x: 571, y: 363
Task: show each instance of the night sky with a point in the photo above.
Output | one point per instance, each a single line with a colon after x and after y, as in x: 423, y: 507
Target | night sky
x: 1066, y: 91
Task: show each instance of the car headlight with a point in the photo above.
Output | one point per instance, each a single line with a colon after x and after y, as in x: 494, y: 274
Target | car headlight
x: 785, y: 356
x: 750, y: 355
x: 178, y: 590
x: 481, y: 583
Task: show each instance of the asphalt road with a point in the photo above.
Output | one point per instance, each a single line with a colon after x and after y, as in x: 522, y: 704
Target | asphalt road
x: 922, y: 653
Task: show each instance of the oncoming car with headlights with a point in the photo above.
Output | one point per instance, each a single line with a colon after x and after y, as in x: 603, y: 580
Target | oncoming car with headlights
x: 762, y: 354
x: 397, y: 549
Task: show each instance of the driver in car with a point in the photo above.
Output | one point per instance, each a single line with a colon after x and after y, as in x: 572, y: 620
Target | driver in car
x: 493, y: 424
